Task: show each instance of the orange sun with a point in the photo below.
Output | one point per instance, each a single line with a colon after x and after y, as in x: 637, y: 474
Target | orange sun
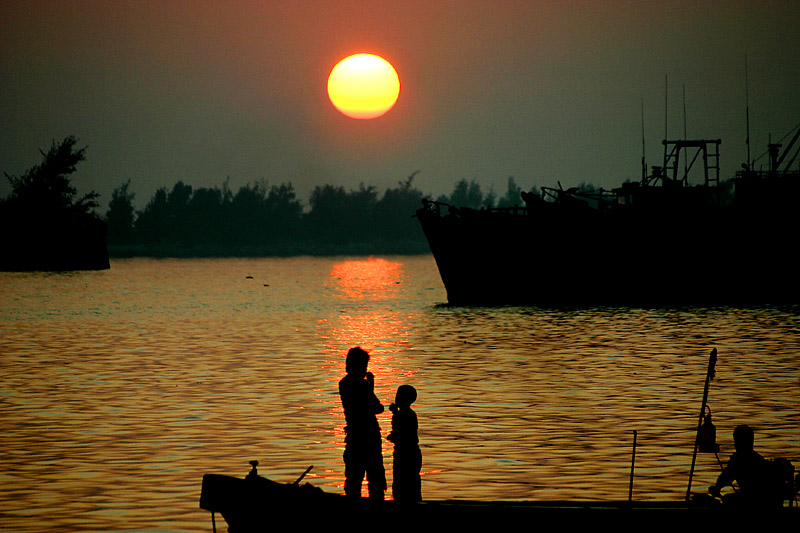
x: 363, y: 86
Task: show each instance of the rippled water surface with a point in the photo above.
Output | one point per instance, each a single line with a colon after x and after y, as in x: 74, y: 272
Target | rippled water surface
x: 120, y: 389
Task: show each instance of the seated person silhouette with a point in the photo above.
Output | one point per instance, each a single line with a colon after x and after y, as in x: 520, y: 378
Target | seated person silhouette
x: 362, y: 451
x: 750, y: 471
x: 407, y: 485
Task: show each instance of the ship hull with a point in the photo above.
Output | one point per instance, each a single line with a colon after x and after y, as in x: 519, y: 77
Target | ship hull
x: 713, y: 256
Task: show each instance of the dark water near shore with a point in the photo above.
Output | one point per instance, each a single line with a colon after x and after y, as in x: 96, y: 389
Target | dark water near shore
x: 119, y: 389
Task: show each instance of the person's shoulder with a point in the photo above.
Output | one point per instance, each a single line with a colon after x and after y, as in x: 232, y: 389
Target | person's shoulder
x: 351, y: 383
x: 408, y: 415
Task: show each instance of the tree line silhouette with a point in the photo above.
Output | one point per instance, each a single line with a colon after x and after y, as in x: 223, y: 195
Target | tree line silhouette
x: 261, y: 218
x: 258, y: 219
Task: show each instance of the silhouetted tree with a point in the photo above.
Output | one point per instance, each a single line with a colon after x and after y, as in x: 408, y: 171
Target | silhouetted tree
x: 284, y: 213
x: 249, y: 213
x: 394, y: 212
x: 338, y: 217
x: 203, y: 219
x: 120, y: 216
x: 153, y: 223
x: 512, y: 196
x: 49, y: 226
x: 46, y: 188
x: 177, y: 208
x: 490, y: 198
x: 465, y: 194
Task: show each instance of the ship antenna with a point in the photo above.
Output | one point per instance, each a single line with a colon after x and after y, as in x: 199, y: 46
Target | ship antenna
x: 747, y: 109
x: 666, y: 100
x: 684, y: 113
x: 644, y: 159
x: 685, y: 138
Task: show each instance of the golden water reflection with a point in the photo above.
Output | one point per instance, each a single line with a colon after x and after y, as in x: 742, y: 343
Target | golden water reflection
x: 120, y: 389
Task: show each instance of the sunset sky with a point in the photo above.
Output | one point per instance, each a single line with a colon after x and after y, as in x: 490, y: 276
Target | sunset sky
x: 543, y: 91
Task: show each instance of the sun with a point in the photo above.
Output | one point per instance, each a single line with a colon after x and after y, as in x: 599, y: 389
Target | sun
x: 363, y: 86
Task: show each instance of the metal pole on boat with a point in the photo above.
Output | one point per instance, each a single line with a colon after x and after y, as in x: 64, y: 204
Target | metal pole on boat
x: 303, y: 475
x: 666, y: 103
x: 712, y: 361
x: 633, y: 462
x: 747, y: 110
x: 644, y: 158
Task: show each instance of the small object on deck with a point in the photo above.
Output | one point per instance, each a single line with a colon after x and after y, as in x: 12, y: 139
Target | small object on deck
x: 297, y: 482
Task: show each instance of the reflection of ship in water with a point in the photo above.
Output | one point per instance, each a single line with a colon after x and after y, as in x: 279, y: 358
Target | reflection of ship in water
x: 657, y: 241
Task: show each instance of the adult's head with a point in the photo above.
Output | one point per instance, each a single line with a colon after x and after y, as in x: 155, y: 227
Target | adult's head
x: 743, y: 438
x: 356, y: 362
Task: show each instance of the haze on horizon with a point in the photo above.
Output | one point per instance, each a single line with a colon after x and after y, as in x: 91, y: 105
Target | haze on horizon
x: 542, y: 91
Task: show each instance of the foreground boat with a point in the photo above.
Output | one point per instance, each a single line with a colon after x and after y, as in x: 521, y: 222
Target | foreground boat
x: 659, y: 241
x: 255, y: 503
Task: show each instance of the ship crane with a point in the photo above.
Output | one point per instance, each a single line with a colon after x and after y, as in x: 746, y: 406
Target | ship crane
x: 777, y: 158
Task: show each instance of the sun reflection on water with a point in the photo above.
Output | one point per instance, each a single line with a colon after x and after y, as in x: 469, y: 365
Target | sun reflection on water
x: 120, y: 389
x: 366, y: 318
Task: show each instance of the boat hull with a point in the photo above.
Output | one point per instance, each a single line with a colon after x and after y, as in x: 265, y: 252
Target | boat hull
x: 557, y: 256
x: 258, y: 504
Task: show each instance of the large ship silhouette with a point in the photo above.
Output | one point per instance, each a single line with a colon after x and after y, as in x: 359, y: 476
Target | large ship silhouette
x: 659, y: 241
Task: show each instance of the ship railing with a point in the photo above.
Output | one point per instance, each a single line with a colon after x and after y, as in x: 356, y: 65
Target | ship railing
x: 766, y: 174
x: 437, y: 208
x: 597, y: 199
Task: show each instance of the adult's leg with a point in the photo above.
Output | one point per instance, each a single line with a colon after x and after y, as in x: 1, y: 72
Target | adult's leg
x: 354, y: 469
x: 376, y: 474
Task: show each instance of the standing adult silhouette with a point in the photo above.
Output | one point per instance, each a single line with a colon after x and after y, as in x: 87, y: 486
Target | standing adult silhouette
x: 362, y: 451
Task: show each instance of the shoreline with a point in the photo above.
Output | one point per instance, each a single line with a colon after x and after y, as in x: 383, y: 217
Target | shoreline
x: 289, y: 249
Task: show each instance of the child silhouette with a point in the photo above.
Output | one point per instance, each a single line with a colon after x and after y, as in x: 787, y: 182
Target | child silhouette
x: 407, y: 485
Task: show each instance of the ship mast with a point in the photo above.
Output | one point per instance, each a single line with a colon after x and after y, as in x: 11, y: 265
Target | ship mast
x: 747, y: 111
x: 685, y: 137
x: 666, y: 103
x: 644, y: 159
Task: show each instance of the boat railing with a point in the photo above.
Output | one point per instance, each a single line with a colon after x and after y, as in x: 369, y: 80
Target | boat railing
x: 436, y: 208
x: 595, y: 198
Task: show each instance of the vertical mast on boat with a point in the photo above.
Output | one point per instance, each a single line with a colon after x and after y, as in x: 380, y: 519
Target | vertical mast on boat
x: 685, y: 137
x: 684, y: 113
x: 666, y: 103
x: 747, y: 111
x: 644, y: 159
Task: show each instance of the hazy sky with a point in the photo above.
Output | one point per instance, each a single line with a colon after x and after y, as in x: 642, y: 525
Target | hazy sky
x: 544, y: 91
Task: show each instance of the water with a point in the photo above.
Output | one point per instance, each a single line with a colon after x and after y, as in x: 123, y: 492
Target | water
x: 120, y: 389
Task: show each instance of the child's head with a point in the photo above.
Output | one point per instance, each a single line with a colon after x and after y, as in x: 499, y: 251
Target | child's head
x: 406, y: 395
x: 356, y: 362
